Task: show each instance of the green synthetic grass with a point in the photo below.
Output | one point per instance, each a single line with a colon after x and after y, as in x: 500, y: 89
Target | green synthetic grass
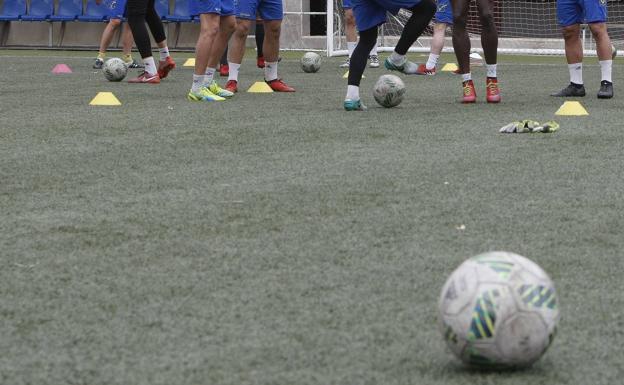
x: 277, y: 239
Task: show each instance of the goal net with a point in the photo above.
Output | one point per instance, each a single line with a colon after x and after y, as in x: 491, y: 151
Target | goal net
x: 524, y: 27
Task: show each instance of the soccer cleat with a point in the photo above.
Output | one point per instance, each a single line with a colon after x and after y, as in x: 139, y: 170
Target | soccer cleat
x: 204, y: 95
x: 470, y: 95
x: 373, y: 61
x: 165, y: 66
x: 231, y: 85
x: 407, y: 67
x: 215, y: 89
x: 145, y: 78
x: 423, y: 70
x: 354, y: 105
x: 606, y: 90
x: 134, y: 64
x: 492, y: 91
x: 224, y: 70
x: 98, y: 64
x: 278, y: 85
x: 346, y: 63
x: 260, y: 62
x: 572, y: 90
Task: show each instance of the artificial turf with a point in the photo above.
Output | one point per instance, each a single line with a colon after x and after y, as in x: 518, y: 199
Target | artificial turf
x: 277, y: 239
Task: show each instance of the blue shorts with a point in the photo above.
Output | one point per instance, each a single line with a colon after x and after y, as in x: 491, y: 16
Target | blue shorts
x: 116, y: 8
x: 346, y: 4
x: 266, y: 9
x: 371, y: 13
x: 444, y: 14
x: 570, y: 12
x: 220, y: 7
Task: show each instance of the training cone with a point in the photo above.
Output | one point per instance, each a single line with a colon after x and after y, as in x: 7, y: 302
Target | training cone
x: 105, y: 99
x: 190, y: 62
x: 346, y: 75
x: 259, y: 87
x: 572, y: 109
x: 61, y: 69
x: 449, y: 67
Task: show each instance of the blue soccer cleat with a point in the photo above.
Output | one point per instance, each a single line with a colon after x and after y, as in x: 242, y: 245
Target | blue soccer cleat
x: 354, y: 105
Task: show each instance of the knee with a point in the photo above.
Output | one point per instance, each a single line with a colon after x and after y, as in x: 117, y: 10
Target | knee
x: 368, y: 38
x: 598, y: 30
x: 241, y: 30
x: 487, y: 21
x: 209, y: 30
x: 459, y: 21
x: 272, y: 28
x: 228, y: 27
x: 570, y: 32
x: 349, y: 19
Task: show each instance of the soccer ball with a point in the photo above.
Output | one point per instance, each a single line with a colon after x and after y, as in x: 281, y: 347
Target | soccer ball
x: 389, y: 91
x: 498, y: 309
x: 311, y: 62
x: 115, y: 69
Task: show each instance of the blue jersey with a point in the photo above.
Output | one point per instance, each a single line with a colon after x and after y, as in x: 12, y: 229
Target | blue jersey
x: 570, y: 12
x: 219, y: 7
x: 371, y: 13
x: 266, y: 9
x: 116, y: 8
x: 444, y: 13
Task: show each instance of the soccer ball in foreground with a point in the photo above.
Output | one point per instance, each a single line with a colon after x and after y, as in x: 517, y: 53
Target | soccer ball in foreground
x: 311, y: 62
x: 115, y: 69
x: 498, y: 309
x: 389, y: 91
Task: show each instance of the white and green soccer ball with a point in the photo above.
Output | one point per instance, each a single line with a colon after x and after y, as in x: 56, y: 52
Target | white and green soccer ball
x: 389, y: 91
x: 115, y: 69
x: 311, y: 62
x: 498, y: 309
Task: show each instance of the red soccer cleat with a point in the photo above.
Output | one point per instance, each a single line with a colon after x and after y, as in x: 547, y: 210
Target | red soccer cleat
x: 278, y: 85
x: 165, y: 66
x: 224, y: 70
x: 493, y: 92
x: 470, y: 95
x: 231, y: 85
x: 260, y: 62
x: 423, y: 70
x: 145, y: 78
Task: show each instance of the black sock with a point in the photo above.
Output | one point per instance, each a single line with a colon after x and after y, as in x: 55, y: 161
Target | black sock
x: 259, y: 37
x: 421, y: 16
x: 367, y: 41
x: 224, y: 57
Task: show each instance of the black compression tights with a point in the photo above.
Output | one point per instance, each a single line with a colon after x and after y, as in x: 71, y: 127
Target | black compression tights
x: 139, y: 12
x: 461, y: 41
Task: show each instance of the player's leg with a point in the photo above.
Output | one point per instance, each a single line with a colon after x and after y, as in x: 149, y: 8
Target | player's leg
x: 105, y: 40
x: 373, y: 57
x: 461, y: 46
x: 136, y: 12
x: 350, y: 31
x: 259, y: 34
x: 596, y: 17
x: 570, y: 16
x: 437, y: 44
x: 272, y: 12
x: 226, y: 27
x: 166, y: 63
x: 126, y: 45
x: 422, y: 12
x: 237, y: 50
x: 489, y: 42
x: 368, y: 38
x: 209, y: 17
x: 224, y: 69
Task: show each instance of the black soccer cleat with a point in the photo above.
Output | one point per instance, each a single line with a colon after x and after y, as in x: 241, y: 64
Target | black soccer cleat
x: 98, y: 64
x: 135, y: 64
x: 606, y: 90
x: 572, y: 90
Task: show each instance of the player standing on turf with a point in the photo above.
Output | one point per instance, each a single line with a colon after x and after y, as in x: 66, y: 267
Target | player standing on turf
x: 271, y: 12
x: 489, y: 42
x: 217, y: 23
x: 352, y: 37
x: 140, y: 12
x: 224, y: 70
x: 369, y: 14
x: 443, y: 17
x: 116, y: 11
x: 571, y: 13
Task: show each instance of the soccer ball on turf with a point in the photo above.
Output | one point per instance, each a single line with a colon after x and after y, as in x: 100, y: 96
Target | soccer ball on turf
x: 115, y: 69
x: 311, y: 62
x: 498, y: 309
x: 389, y: 91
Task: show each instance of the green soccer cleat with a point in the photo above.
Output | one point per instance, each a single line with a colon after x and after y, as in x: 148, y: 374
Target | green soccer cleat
x: 408, y: 67
x: 217, y: 90
x: 204, y: 95
x: 354, y: 105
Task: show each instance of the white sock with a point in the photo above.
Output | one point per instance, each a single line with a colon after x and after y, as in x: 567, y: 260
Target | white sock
x: 234, y: 67
x: 466, y: 77
x: 270, y: 71
x: 397, y: 59
x: 164, y: 52
x: 605, y: 69
x: 209, y: 75
x: 432, y: 61
x: 491, y: 70
x: 353, y: 93
x: 373, y: 51
x: 198, y: 82
x: 150, y: 66
x: 576, y: 73
x: 351, y: 47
